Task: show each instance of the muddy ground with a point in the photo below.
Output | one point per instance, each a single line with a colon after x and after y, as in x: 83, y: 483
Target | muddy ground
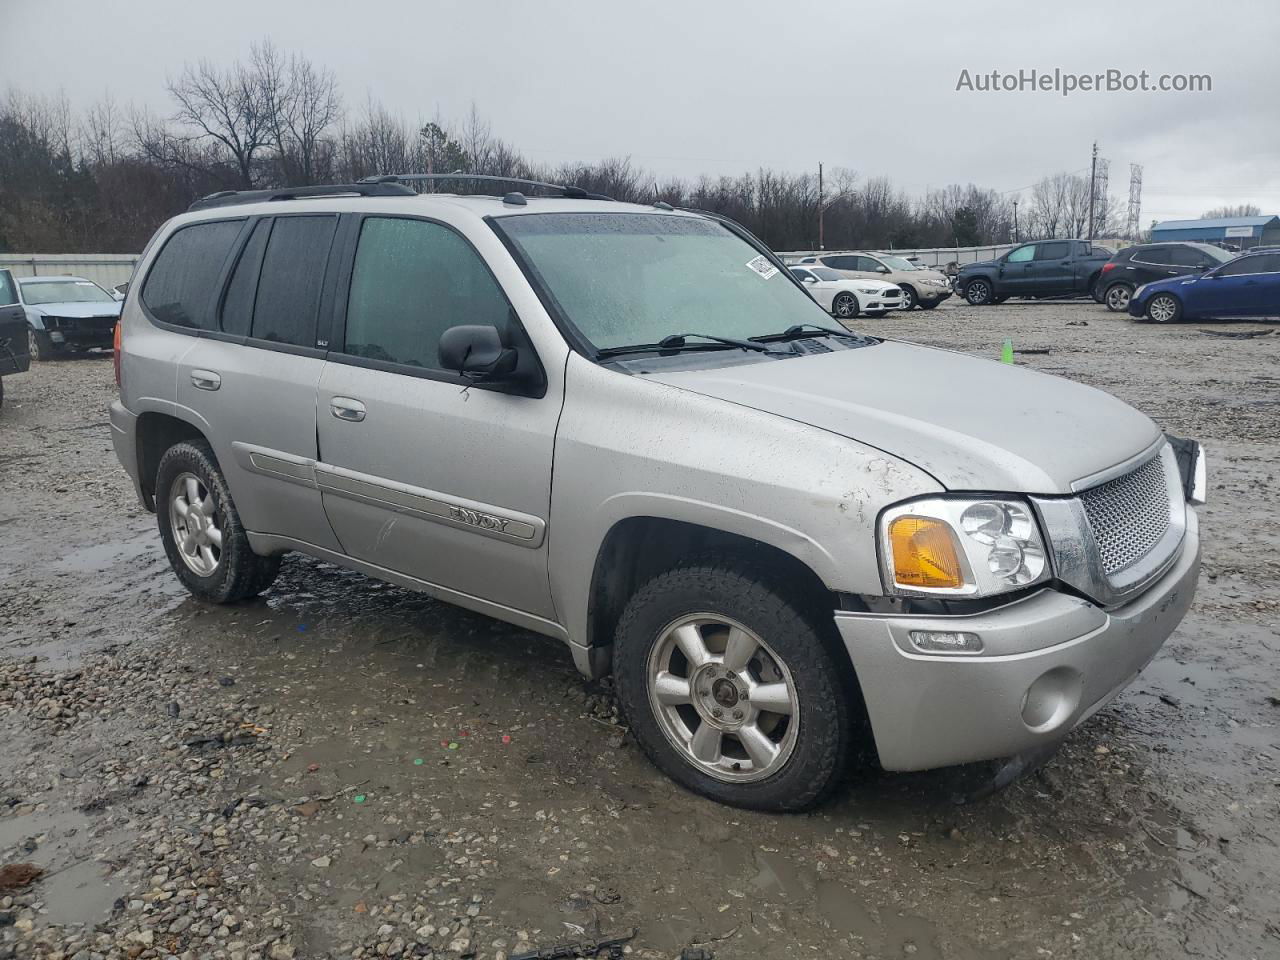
x: 344, y: 768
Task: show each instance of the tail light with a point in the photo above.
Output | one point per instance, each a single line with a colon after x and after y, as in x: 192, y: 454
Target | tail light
x: 115, y: 347
x: 1108, y: 266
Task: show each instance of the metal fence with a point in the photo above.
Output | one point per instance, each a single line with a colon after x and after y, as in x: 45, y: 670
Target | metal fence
x: 104, y: 269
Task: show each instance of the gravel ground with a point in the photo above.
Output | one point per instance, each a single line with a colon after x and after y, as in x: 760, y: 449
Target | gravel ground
x: 346, y: 769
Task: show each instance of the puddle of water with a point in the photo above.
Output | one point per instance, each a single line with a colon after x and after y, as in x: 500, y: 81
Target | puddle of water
x: 841, y: 907
x: 778, y: 876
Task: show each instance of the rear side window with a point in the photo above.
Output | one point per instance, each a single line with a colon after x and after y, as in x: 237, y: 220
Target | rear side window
x: 1157, y: 255
x: 1053, y: 251
x: 1186, y: 257
x: 8, y: 290
x: 413, y: 280
x: 293, y: 265
x: 237, y: 305
x: 180, y: 286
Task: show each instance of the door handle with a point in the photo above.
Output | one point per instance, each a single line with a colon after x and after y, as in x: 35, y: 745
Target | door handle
x: 205, y: 380
x: 345, y: 408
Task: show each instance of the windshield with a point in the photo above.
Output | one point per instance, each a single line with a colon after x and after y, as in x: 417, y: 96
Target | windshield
x: 634, y: 278
x: 898, y: 263
x: 1222, y: 256
x: 64, y: 291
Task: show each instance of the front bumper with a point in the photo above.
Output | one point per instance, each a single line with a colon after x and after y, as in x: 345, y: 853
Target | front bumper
x: 930, y: 294
x: 81, y: 333
x: 878, y: 304
x: 1049, y: 662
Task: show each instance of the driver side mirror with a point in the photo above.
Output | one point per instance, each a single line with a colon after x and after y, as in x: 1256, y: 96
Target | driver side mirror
x: 810, y: 280
x: 476, y: 351
x: 883, y: 269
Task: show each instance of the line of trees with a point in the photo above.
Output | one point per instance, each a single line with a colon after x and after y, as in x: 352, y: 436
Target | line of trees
x: 102, y: 179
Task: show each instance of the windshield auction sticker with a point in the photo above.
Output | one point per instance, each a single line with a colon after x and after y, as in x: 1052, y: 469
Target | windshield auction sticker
x: 762, y: 266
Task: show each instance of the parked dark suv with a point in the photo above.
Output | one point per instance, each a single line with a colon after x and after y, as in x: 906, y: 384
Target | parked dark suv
x: 13, y: 330
x: 1148, y: 262
x: 1046, y: 268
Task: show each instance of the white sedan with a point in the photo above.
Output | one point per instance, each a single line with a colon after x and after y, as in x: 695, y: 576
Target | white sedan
x: 845, y: 297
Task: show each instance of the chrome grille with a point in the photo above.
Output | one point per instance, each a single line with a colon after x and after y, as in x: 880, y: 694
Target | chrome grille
x: 1128, y: 515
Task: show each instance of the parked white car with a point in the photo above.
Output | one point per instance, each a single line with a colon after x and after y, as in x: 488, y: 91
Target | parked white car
x: 844, y: 297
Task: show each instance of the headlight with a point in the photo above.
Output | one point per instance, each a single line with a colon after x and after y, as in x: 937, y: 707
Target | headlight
x: 935, y: 283
x: 961, y: 547
x: 870, y: 291
x: 1138, y: 293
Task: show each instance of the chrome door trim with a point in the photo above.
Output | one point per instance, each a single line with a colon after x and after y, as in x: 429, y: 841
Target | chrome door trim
x: 484, y: 519
x: 274, y: 463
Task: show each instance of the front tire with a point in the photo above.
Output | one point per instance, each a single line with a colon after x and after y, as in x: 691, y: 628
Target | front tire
x: 731, y: 688
x: 929, y: 304
x: 1117, y: 297
x: 909, y: 299
x: 201, y: 530
x: 844, y: 306
x: 39, y: 345
x: 979, y: 292
x: 1164, y: 308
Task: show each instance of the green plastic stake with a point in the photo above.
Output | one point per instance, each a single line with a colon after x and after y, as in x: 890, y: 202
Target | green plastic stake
x: 359, y: 798
x: 1006, y: 351
x: 417, y: 762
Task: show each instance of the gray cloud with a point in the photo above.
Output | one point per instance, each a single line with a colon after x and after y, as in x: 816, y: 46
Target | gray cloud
x: 724, y: 87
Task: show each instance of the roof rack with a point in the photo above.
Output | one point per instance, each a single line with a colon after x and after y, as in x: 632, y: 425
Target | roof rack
x: 573, y: 193
x: 364, y: 188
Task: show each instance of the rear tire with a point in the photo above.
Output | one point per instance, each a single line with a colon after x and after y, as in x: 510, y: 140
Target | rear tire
x: 1117, y: 297
x: 754, y: 647
x: 1164, y: 308
x: 201, y: 530
x: 979, y: 292
x: 844, y: 306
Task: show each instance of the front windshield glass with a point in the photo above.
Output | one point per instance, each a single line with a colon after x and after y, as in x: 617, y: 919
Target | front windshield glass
x: 826, y: 273
x: 1222, y: 256
x: 898, y: 263
x: 634, y: 278
x: 65, y: 291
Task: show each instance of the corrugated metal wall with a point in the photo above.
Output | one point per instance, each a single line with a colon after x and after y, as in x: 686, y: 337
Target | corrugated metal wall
x: 104, y: 269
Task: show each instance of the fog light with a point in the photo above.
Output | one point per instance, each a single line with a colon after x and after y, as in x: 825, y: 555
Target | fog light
x: 946, y: 641
x: 56, y: 336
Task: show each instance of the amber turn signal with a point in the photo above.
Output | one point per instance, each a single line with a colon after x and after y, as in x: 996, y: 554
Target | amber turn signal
x: 925, y: 553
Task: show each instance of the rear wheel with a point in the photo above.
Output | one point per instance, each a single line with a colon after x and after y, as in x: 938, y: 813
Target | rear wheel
x: 1117, y: 297
x: 844, y: 306
x: 1164, y: 308
x: 39, y: 345
x: 978, y: 292
x: 731, y: 687
x: 201, y: 530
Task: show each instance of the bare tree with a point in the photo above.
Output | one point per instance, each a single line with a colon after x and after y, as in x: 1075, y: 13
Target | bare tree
x: 302, y: 104
x: 1238, y: 210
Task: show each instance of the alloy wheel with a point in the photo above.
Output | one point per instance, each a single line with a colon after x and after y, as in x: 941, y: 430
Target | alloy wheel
x: 196, y: 523
x: 1162, y: 308
x: 846, y: 306
x: 1118, y: 298
x: 723, y: 698
x: 978, y: 293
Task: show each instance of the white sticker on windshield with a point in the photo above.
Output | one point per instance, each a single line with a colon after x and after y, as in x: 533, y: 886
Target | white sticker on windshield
x: 762, y: 266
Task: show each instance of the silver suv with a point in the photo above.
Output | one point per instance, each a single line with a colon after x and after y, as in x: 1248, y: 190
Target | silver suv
x: 630, y: 428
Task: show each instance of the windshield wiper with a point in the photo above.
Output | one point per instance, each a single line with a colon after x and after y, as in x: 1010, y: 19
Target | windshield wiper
x: 677, y: 341
x: 799, y: 330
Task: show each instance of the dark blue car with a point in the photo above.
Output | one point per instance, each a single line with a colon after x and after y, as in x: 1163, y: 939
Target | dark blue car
x: 1248, y: 286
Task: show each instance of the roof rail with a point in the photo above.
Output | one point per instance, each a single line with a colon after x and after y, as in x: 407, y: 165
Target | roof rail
x: 228, y: 198
x: 573, y: 193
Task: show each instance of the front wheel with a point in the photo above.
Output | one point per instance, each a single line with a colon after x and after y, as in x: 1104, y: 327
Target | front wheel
x: 732, y: 689
x: 909, y: 299
x: 928, y: 304
x: 979, y: 292
x: 40, y: 345
x: 200, y: 527
x: 1117, y: 297
x: 1164, y: 308
x: 844, y: 306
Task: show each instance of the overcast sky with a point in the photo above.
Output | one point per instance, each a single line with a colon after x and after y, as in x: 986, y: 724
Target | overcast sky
x: 726, y: 86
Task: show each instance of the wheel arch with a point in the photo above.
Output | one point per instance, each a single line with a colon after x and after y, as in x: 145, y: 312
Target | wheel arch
x: 637, y: 548
x: 156, y: 432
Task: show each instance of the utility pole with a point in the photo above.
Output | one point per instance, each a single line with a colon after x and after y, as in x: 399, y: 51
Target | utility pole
x: 820, y: 210
x: 1093, y: 179
x: 1015, y: 219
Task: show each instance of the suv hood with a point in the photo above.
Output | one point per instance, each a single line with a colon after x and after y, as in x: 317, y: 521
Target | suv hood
x: 972, y: 424
x: 78, y: 308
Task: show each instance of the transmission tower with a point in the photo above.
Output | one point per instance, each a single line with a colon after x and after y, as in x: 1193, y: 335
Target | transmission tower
x: 1100, y: 175
x: 1133, y: 228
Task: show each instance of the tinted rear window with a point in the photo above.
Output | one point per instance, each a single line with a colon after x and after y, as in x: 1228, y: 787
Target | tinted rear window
x: 181, y: 283
x: 237, y: 305
x: 293, y: 267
